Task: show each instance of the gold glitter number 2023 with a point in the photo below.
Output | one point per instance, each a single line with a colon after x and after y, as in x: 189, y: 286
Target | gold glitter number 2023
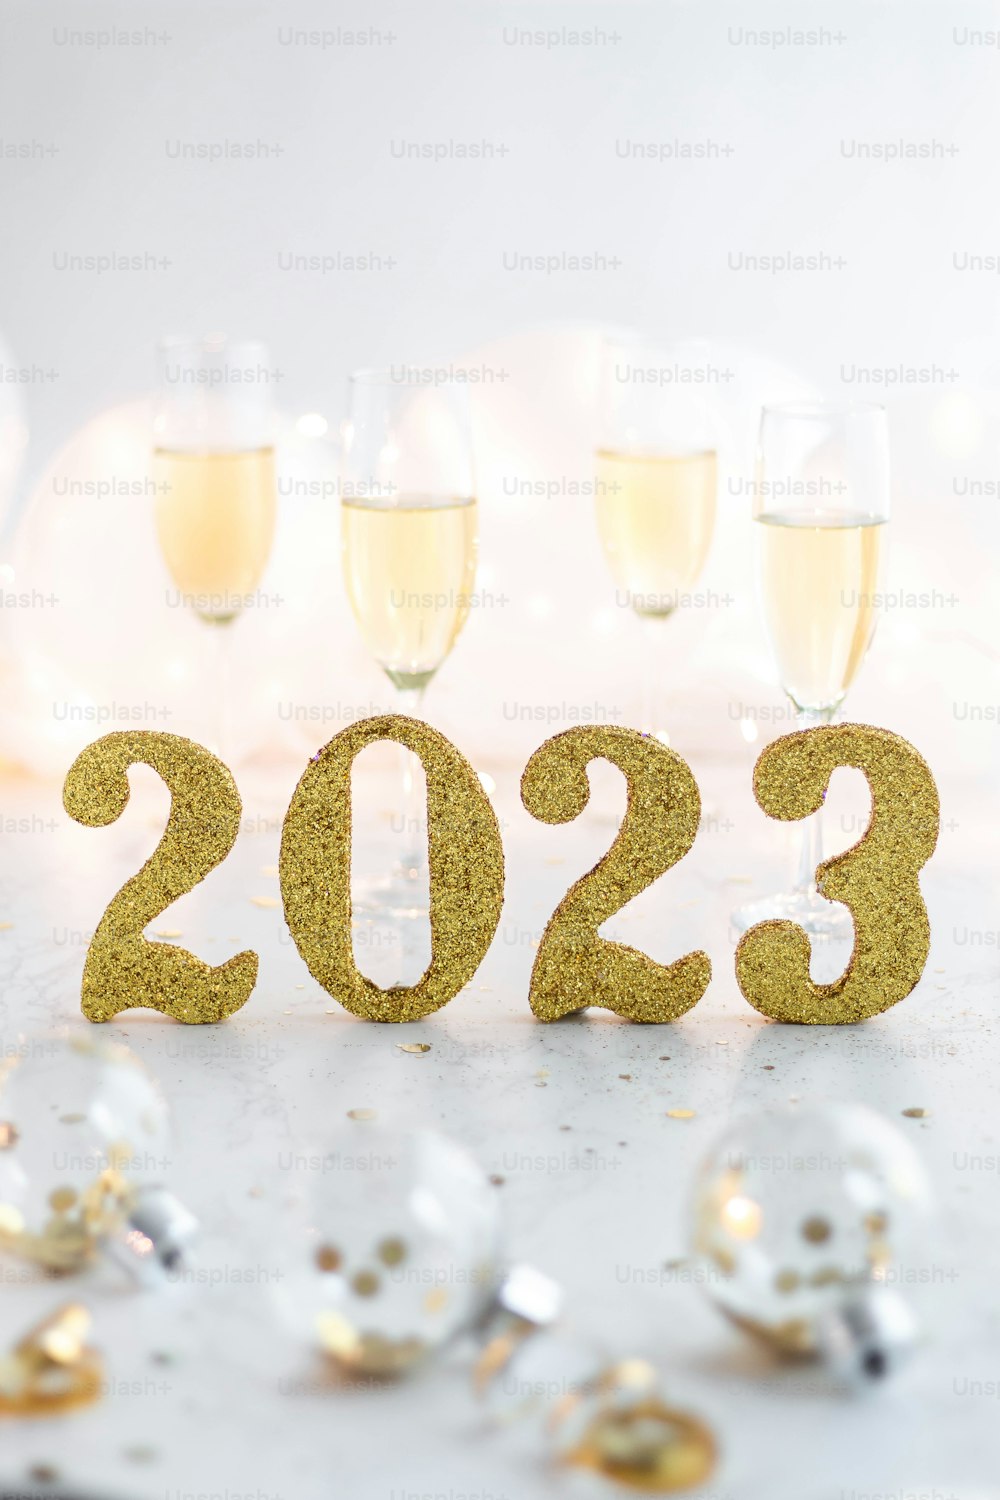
x: 123, y: 969
x: 574, y: 967
x: 876, y: 879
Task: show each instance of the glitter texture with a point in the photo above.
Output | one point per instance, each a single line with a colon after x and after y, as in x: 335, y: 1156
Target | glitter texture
x: 876, y: 878
x: 123, y: 969
x: 466, y: 871
x: 574, y: 967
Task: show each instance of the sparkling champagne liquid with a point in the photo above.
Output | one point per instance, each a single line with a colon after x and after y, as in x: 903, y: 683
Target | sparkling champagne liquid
x: 819, y: 573
x: 410, y: 568
x: 655, y: 515
x: 215, y: 522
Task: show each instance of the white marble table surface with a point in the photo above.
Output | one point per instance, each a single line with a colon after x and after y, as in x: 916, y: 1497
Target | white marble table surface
x: 233, y: 1413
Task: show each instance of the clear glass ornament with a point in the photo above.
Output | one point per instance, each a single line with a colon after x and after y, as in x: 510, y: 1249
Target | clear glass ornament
x: 400, y: 1251
x: 83, y: 1129
x: 796, y: 1211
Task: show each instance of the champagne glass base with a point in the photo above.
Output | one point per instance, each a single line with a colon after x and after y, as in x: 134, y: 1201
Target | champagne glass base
x: 401, y: 893
x: 820, y: 918
x: 390, y: 930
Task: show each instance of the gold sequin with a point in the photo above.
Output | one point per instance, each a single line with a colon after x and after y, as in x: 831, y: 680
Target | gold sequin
x: 62, y: 1199
x: 877, y: 878
x: 574, y: 967
x: 816, y: 1231
x: 329, y: 1258
x: 123, y: 969
x: 466, y: 871
x: 392, y: 1251
x: 365, y: 1283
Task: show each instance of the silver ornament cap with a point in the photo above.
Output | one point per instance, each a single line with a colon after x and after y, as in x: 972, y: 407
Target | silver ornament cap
x: 865, y: 1339
x: 155, y: 1242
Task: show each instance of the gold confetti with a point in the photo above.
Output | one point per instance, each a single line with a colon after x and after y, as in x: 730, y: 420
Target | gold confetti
x: 574, y: 967
x: 465, y: 854
x: 268, y: 903
x: 680, y: 1114
x: 816, y: 1231
x: 328, y: 1258
x: 365, y: 1283
x: 123, y: 969
x: 142, y: 1453
x: 645, y: 1445
x: 436, y: 1300
x: 361, y: 1114
x: 416, y: 1048
x: 916, y: 1113
x: 168, y: 932
x: 52, y: 1368
x: 877, y: 878
x: 9, y: 1135
x: 392, y: 1251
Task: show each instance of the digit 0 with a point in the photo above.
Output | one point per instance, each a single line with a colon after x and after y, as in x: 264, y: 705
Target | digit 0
x: 466, y: 871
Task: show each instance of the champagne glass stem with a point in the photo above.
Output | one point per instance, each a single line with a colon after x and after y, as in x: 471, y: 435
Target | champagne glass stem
x: 414, y: 855
x: 223, y: 689
x: 653, y: 698
x: 811, y: 836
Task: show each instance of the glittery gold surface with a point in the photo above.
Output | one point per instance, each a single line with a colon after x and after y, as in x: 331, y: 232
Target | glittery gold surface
x: 876, y: 879
x: 466, y: 871
x: 574, y: 967
x: 123, y: 969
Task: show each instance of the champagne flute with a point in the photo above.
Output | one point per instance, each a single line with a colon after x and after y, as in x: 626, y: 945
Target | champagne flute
x: 215, y: 481
x: 656, y: 488
x: 409, y: 544
x: 821, y: 524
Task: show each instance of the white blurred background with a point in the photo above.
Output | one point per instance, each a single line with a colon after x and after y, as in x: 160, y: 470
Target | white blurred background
x: 667, y: 142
